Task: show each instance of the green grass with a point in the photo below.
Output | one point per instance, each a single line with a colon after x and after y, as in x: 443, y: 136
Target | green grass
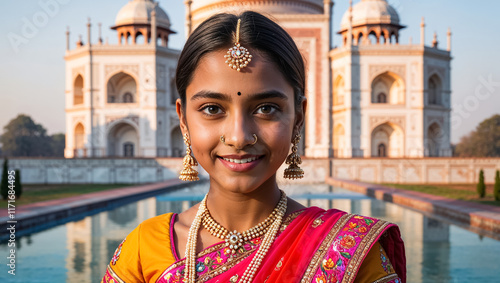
x: 36, y: 193
x: 462, y: 192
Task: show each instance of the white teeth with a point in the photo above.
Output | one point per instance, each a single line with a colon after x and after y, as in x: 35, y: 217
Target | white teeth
x: 241, y: 161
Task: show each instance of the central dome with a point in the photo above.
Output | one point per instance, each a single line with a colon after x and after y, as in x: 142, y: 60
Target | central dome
x: 138, y: 12
x: 269, y: 6
x: 371, y: 12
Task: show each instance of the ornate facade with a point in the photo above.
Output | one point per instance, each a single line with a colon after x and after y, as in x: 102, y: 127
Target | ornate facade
x: 369, y: 96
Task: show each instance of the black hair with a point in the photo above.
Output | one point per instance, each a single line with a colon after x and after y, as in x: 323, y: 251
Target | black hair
x: 257, y: 32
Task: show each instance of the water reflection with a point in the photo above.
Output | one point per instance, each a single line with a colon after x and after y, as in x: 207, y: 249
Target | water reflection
x: 431, y: 245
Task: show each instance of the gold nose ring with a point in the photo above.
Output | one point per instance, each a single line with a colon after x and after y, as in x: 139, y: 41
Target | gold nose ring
x: 223, y: 139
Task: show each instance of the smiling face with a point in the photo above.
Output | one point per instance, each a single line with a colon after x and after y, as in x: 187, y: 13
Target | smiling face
x: 223, y: 102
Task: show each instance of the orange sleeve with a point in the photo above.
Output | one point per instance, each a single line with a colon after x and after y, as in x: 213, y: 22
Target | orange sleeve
x: 144, y: 254
x: 376, y: 266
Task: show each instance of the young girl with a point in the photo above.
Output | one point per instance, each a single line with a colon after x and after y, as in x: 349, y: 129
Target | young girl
x: 241, y: 81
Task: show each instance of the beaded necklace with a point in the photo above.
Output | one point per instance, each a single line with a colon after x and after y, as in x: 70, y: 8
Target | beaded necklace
x: 269, y: 236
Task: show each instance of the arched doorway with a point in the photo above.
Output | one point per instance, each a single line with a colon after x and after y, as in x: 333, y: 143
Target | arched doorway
x: 435, y: 136
x: 123, y: 140
x: 387, y: 140
x: 388, y: 88
x: 122, y: 88
x: 78, y: 90
x: 339, y: 91
x: 435, y: 90
x: 79, y: 141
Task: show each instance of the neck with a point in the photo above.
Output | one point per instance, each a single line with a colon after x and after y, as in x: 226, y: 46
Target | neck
x: 241, y: 211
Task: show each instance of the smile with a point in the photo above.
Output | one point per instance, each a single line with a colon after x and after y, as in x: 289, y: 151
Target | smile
x: 242, y: 164
x: 241, y: 161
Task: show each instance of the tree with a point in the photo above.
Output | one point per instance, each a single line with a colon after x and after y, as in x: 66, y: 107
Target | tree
x: 23, y: 137
x: 481, y: 187
x: 484, y: 141
x: 17, y: 184
x: 58, y: 143
x: 497, y: 186
x: 4, y: 183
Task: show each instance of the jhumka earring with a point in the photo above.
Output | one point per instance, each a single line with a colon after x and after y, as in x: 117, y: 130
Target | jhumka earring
x: 294, y: 171
x: 188, y: 173
x: 238, y: 56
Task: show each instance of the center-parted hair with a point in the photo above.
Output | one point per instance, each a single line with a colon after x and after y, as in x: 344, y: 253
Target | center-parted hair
x: 257, y: 32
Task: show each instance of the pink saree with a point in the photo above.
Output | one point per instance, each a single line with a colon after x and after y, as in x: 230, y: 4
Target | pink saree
x: 313, y: 245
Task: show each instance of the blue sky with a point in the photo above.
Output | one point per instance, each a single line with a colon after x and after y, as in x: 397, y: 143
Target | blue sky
x: 32, y: 77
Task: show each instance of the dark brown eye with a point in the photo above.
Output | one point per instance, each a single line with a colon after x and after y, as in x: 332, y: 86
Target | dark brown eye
x: 266, y: 109
x: 211, y: 110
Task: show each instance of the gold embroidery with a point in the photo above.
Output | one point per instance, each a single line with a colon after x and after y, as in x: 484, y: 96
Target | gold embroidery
x: 114, y: 276
x: 289, y: 219
x: 234, y: 278
x: 323, y: 248
x: 387, y: 278
x: 362, y: 249
x: 318, y: 221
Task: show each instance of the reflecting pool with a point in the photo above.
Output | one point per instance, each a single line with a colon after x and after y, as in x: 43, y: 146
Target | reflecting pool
x: 79, y: 251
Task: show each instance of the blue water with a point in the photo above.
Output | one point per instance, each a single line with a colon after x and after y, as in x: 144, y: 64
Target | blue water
x: 79, y: 251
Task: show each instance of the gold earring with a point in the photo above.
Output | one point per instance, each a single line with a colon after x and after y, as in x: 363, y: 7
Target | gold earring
x: 294, y: 171
x: 188, y: 173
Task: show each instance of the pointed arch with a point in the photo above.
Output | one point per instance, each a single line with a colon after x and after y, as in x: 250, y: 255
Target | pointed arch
x: 387, y: 140
x: 78, y: 90
x: 435, y: 90
x: 388, y: 88
x: 339, y: 91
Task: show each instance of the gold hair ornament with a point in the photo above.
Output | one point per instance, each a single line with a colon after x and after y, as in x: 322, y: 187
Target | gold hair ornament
x: 238, y: 56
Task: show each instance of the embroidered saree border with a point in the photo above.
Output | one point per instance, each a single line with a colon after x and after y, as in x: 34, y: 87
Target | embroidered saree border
x: 389, y: 278
x: 362, y: 250
x: 323, y: 248
x: 113, y: 275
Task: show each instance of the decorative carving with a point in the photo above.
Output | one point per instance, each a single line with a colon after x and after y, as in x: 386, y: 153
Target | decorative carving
x: 132, y: 118
x: 379, y: 120
x: 376, y: 70
x: 78, y: 71
x: 431, y: 70
x: 108, y: 69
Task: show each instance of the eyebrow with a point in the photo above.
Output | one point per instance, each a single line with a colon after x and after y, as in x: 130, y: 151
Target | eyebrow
x: 224, y: 97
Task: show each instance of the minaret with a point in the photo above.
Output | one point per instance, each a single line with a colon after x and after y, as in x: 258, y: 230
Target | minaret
x: 188, y: 17
x: 422, y: 32
x: 88, y: 32
x: 100, y: 33
x: 449, y: 40
x: 154, y: 36
x: 349, y: 33
x: 67, y: 38
x: 435, y: 41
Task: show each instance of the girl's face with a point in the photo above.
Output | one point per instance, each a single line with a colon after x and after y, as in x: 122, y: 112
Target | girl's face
x: 223, y: 102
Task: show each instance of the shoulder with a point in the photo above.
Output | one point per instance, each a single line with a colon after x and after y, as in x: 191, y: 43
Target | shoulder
x: 144, y: 253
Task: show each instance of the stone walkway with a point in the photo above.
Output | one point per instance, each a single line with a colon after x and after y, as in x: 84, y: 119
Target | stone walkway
x: 51, y: 211
x: 475, y: 215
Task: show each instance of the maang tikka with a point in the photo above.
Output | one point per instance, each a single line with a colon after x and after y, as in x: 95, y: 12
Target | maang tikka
x: 188, y: 173
x: 238, y: 56
x: 294, y: 171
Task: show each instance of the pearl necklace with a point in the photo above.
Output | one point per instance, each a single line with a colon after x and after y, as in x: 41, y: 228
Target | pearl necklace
x: 234, y: 240
x: 270, y: 235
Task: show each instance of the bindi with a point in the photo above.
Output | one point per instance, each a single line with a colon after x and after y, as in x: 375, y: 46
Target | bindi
x: 239, y: 93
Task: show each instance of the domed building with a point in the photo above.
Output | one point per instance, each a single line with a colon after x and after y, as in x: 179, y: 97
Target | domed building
x: 120, y: 98
x: 370, y: 96
x: 389, y: 99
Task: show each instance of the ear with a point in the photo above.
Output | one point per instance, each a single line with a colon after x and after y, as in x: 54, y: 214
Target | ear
x: 300, y: 117
x: 182, y: 117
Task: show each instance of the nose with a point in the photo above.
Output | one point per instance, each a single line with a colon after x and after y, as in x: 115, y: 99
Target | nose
x: 239, y: 132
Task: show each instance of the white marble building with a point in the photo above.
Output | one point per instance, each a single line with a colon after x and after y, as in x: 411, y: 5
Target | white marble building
x: 126, y: 91
x: 369, y: 97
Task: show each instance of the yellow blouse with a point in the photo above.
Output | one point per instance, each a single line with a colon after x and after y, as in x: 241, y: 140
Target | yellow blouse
x: 147, y: 251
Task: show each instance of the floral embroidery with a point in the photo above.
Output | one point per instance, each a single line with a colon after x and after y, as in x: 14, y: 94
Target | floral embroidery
x: 386, y: 264
x: 118, y: 251
x: 337, y: 258
x: 213, y: 263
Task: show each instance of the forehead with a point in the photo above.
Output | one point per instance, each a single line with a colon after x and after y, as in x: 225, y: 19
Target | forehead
x: 213, y: 74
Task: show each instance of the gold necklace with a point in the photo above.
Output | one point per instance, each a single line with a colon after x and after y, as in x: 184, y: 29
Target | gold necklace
x: 234, y: 240
x: 270, y: 235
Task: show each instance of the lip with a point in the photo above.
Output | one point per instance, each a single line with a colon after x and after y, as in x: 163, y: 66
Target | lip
x: 237, y: 167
